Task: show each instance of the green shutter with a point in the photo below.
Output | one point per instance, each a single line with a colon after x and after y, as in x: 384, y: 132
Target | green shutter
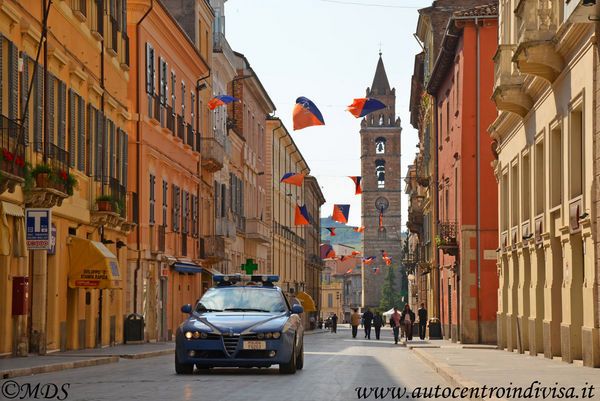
x: 72, y: 129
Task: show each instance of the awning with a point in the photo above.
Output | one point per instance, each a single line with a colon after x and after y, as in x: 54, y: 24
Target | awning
x: 308, y: 304
x: 10, y: 209
x: 16, y: 211
x: 187, y: 267
x: 92, y: 265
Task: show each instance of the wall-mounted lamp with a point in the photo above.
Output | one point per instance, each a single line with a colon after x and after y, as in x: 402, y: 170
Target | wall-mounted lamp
x: 588, y: 3
x: 583, y: 216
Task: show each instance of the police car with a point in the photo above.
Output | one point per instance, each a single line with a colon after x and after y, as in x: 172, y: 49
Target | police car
x: 244, y: 321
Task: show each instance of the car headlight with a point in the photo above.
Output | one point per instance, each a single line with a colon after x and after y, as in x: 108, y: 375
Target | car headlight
x: 196, y: 335
x: 268, y: 335
x: 260, y: 336
x: 276, y: 335
x: 188, y: 335
x: 203, y: 335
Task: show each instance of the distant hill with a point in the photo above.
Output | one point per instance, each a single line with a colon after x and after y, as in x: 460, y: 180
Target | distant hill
x: 344, y: 235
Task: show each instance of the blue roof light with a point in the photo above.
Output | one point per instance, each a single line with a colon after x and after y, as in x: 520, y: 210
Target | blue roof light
x: 230, y: 279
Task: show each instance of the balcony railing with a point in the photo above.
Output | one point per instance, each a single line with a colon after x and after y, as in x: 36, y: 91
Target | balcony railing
x: 118, y: 193
x: 240, y: 223
x: 59, y: 161
x: 12, y: 159
x: 212, y: 155
x: 447, y: 237
x: 190, y: 135
x: 257, y: 230
x: 180, y: 127
x: 225, y: 227
x: 79, y: 6
x: 212, y: 248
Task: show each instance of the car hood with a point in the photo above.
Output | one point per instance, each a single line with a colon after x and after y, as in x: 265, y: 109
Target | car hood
x: 239, y: 322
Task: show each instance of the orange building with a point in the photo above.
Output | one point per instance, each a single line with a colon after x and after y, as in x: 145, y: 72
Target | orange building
x: 170, y: 164
x: 467, y: 192
x: 74, y: 125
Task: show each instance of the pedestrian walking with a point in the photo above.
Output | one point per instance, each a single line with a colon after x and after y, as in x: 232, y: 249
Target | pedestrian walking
x: 407, y: 319
x: 377, y: 323
x: 395, y: 323
x: 367, y: 322
x: 334, y: 320
x: 422, y: 312
x: 354, y: 322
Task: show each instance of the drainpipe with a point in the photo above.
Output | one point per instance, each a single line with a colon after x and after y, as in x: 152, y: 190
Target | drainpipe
x: 478, y: 189
x: 273, y: 196
x: 139, y: 157
x: 437, y: 214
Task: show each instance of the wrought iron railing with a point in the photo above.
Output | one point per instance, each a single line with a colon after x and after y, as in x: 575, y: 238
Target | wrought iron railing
x: 170, y: 119
x: 12, y: 145
x: 447, y: 233
x: 118, y: 193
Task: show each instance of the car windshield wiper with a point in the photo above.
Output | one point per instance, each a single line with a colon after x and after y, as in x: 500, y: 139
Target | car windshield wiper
x: 246, y: 310
x: 209, y: 310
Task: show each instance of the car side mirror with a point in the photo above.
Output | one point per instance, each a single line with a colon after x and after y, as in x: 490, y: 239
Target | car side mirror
x: 297, y: 309
x: 187, y: 309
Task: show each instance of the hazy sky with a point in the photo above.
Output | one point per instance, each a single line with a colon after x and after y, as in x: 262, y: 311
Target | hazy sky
x: 327, y: 50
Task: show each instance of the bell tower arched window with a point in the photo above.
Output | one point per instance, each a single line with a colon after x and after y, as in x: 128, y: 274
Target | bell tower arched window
x: 380, y: 173
x: 381, y: 120
x: 380, y: 146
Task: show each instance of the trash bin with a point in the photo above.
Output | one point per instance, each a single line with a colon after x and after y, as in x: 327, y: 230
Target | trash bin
x: 133, y: 328
x: 435, y: 329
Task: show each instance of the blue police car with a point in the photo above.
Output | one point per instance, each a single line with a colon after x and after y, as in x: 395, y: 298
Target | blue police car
x: 244, y: 321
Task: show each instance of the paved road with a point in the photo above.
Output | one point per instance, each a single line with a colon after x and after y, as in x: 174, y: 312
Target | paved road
x: 335, y: 364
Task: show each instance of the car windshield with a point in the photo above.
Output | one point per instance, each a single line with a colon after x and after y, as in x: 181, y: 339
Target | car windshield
x: 241, y: 299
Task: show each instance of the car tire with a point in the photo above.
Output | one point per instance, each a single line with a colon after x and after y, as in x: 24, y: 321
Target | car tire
x: 183, y: 368
x: 300, y: 357
x: 289, y: 368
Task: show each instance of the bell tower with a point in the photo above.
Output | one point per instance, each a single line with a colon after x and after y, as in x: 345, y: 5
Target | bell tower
x: 381, y: 189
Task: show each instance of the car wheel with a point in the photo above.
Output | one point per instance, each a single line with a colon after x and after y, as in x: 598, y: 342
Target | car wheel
x: 183, y: 368
x: 289, y: 367
x: 300, y: 358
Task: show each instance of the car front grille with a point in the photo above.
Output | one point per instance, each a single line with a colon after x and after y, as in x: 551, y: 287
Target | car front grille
x: 231, y: 343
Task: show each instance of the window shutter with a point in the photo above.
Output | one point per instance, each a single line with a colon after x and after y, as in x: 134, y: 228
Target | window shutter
x: 24, y: 92
x: 152, y: 180
x: 1, y: 69
x: 99, y: 139
x: 125, y: 156
x: 223, y: 200
x: 92, y: 130
x: 241, y: 184
x: 192, y: 114
x: 184, y: 196
x: 38, y: 108
x: 124, y: 17
x: 62, y: 115
x: 161, y: 79
x: 113, y: 12
x: 112, y: 157
x: 183, y: 99
x: 13, y: 81
x: 119, y: 14
x: 149, y: 57
x: 72, y: 131
x: 81, y: 134
x: 165, y: 190
x: 165, y: 74
x: 174, y: 208
x: 173, y: 81
x: 51, y: 114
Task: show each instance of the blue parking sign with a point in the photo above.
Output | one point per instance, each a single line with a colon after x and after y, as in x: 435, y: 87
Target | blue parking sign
x: 38, y: 228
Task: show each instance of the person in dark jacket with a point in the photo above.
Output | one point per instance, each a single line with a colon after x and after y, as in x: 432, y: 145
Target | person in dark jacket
x: 367, y: 321
x: 377, y: 323
x: 334, y: 320
x: 422, y: 313
x: 407, y: 320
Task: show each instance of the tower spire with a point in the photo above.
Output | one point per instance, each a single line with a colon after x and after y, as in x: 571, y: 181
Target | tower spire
x: 381, y: 85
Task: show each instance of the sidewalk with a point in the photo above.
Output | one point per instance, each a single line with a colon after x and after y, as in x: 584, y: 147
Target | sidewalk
x: 30, y: 365
x: 478, y: 365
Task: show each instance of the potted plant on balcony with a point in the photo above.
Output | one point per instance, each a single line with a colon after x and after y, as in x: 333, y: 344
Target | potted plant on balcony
x: 42, y: 174
x: 66, y: 180
x: 104, y: 203
x: 119, y: 205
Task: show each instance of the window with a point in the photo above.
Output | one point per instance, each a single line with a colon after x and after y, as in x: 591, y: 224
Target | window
x: 381, y: 119
x: 176, y: 207
x: 330, y: 300
x: 448, y: 119
x: 382, y: 234
x: 504, y: 203
x: 163, y: 68
x: 173, y: 82
x: 526, y: 188
x: 514, y: 195
x: 555, y: 166
x: 192, y: 114
x: 576, y: 152
x: 380, y: 173
x: 152, y: 181
x: 540, y: 178
x: 150, y: 76
x: 380, y: 146
x: 183, y: 99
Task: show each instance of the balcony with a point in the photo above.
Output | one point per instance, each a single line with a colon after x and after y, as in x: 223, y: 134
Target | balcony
x: 118, y: 215
x: 157, y: 239
x: 12, y: 159
x: 537, y: 23
x: 257, y: 230
x: 49, y: 192
x: 415, y: 213
x: 508, y: 93
x: 447, y: 237
x: 225, y: 227
x: 180, y: 128
x: 211, y: 152
x: 212, y: 248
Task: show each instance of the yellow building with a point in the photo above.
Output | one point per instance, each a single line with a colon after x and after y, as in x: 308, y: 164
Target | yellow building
x: 75, y: 131
x: 545, y: 92
x: 331, y: 293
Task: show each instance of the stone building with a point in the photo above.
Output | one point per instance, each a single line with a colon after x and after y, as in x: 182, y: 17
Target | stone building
x: 381, y: 187
x: 545, y: 89
x: 461, y: 85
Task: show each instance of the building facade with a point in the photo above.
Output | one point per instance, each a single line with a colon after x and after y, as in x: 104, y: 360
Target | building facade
x: 461, y: 84
x: 547, y: 264
x: 381, y: 187
x: 73, y: 128
x: 314, y: 199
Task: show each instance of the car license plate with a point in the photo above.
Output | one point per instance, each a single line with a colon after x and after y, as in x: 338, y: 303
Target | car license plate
x: 255, y: 345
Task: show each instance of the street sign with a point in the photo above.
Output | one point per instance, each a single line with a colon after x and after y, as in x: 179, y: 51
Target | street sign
x: 38, y: 223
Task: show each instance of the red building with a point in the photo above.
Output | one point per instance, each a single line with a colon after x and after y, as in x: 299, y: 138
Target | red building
x: 461, y: 84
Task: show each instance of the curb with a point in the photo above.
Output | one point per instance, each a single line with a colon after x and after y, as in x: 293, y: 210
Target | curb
x: 310, y: 333
x: 448, y: 373
x: 56, y: 367
x: 150, y: 354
